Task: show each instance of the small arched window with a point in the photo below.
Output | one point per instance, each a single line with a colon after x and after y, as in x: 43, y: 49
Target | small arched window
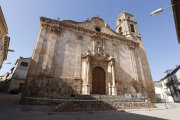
x: 120, y: 30
x: 119, y: 20
x: 132, y: 28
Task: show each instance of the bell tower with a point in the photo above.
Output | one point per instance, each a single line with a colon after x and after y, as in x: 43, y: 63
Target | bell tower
x: 125, y: 25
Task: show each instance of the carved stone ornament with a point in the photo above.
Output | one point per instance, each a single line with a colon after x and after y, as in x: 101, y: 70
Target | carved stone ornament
x: 98, y: 49
x: 44, y: 26
x: 55, y: 30
x: 114, y: 43
x: 111, y: 58
x: 131, y: 47
x: 88, y: 59
x: 86, y: 54
x: 80, y: 36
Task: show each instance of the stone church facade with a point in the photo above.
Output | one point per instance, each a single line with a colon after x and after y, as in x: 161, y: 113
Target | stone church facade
x: 89, y: 58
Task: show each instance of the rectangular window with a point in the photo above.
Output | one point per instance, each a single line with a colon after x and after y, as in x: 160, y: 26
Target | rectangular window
x: 21, y: 74
x: 25, y: 64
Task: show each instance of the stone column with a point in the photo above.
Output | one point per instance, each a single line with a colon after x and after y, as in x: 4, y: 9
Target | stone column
x: 87, y: 85
x: 141, y: 69
x: 78, y: 56
x: 109, y: 88
x: 133, y: 61
x: 114, y: 89
x: 109, y: 77
x: 51, y: 50
x: 39, y: 42
x: 93, y: 42
x: 37, y: 49
x: 104, y: 54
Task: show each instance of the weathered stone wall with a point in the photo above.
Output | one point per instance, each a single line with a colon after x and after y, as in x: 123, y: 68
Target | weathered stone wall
x: 66, y: 53
x: 100, y: 106
x: 90, y: 103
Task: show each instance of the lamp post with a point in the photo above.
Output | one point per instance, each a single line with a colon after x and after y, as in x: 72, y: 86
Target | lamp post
x: 161, y: 10
x: 7, y: 63
x: 8, y: 50
x: 164, y: 98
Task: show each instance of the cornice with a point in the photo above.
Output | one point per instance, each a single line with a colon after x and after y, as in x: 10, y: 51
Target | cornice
x: 122, y: 13
x: 56, y: 24
x: 125, y: 20
x: 3, y: 21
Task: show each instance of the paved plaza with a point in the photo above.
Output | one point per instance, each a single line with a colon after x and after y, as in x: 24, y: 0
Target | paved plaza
x: 10, y: 110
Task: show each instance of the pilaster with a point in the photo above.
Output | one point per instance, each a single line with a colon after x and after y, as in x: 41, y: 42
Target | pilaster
x: 133, y: 63
x: 78, y: 55
x: 114, y: 89
x: 86, y: 70
x: 38, y: 48
x: 55, y: 32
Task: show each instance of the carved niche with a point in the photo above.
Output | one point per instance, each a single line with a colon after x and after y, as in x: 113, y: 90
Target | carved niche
x: 98, y: 49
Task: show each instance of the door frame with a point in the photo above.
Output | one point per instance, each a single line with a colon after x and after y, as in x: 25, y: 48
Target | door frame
x: 104, y: 91
x: 106, y: 76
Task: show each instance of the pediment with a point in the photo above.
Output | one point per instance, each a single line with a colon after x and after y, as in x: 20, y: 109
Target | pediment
x: 87, y: 26
x: 95, y: 22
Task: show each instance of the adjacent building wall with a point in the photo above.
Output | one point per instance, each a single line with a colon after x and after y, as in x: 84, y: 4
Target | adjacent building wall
x: 18, y: 75
x: 4, y: 40
x: 171, y: 85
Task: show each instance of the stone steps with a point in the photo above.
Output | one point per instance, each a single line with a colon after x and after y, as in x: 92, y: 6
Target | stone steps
x: 100, y: 106
x: 90, y: 103
x: 106, y: 98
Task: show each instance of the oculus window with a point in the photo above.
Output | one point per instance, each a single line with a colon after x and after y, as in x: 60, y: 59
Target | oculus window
x: 98, y: 29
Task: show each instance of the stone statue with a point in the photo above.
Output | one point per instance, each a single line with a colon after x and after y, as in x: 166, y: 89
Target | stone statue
x: 98, y: 49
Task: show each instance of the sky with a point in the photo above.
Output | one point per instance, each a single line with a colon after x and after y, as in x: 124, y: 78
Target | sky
x: 157, y: 32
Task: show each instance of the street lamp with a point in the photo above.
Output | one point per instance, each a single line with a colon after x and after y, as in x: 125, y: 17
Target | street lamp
x: 7, y: 63
x: 161, y: 9
x: 8, y: 50
x: 163, y: 92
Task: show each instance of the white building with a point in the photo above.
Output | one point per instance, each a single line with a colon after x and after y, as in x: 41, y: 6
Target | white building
x: 18, y: 75
x: 159, y: 91
x: 171, y: 85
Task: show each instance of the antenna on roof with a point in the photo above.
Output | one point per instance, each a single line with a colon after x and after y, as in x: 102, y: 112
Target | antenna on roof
x: 117, y: 11
x: 122, y: 9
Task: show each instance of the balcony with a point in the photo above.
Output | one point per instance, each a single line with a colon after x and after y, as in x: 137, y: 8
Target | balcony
x: 169, y: 83
x: 168, y: 93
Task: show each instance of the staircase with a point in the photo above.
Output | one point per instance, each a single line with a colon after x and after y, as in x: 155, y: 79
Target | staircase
x: 101, y: 102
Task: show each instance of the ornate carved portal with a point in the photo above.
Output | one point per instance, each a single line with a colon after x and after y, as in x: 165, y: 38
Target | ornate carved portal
x: 98, y: 74
x: 98, y: 81
x: 98, y: 69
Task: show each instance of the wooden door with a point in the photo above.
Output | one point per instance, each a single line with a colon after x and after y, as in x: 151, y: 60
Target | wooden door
x: 98, y: 81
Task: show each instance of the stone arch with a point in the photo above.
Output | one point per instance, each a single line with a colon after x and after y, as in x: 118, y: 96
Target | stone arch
x: 104, y: 66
